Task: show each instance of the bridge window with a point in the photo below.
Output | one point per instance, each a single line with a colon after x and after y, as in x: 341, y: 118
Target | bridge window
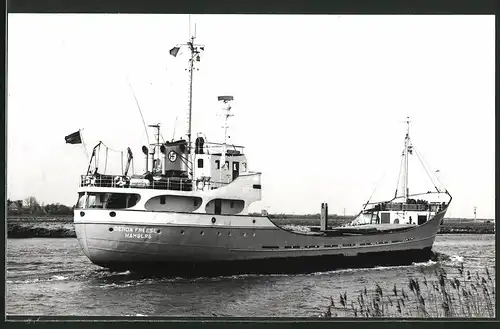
x: 224, y: 206
x: 200, y: 163
x: 179, y: 203
x: 107, y: 200
x: 217, y: 164
x: 82, y: 200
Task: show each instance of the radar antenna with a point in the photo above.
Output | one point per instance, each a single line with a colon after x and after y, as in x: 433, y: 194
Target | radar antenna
x: 226, y: 100
x: 226, y: 112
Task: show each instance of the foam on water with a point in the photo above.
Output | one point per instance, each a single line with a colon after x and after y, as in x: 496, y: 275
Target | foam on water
x: 24, y: 281
x: 59, y: 277
x: 424, y: 264
x: 456, y: 259
x: 116, y: 285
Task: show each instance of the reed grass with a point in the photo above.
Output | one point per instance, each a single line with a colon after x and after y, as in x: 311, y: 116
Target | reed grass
x: 465, y: 295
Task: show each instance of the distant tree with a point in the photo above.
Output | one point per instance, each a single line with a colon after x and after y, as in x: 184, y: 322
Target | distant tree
x: 32, y: 206
x: 29, y: 201
x: 57, y: 209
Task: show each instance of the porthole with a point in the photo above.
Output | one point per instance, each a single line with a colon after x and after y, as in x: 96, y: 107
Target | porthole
x: 244, y: 234
x: 111, y: 229
x: 112, y: 214
x: 218, y: 234
x: 229, y: 234
x: 182, y: 232
x: 253, y: 234
x: 253, y: 221
x: 202, y: 233
x: 82, y: 213
x: 213, y: 220
x: 158, y: 231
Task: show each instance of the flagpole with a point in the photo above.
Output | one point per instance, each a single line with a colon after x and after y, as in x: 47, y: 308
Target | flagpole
x: 83, y: 143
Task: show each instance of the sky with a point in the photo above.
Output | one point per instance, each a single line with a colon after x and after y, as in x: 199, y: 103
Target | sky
x: 320, y: 101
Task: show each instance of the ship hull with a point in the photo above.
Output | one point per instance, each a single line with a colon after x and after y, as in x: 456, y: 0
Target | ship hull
x: 202, y: 244
x: 292, y: 265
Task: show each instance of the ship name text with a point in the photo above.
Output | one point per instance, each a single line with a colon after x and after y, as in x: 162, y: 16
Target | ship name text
x: 137, y: 232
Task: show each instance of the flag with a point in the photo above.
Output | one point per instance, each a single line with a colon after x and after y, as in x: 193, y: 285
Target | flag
x: 74, y: 138
x: 174, y: 51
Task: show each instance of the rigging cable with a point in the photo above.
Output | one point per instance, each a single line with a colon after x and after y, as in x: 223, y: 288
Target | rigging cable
x: 106, y: 146
x: 418, y: 156
x: 175, y: 125
x: 374, y: 190
x: 98, y: 157
x: 84, y: 145
x: 142, y: 117
x: 399, y: 176
x: 106, y: 161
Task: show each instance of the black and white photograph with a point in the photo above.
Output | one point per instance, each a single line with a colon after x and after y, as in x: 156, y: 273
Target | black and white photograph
x: 250, y: 165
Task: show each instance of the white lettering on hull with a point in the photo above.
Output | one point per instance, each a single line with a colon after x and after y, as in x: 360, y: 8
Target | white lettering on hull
x: 137, y: 236
x: 140, y: 233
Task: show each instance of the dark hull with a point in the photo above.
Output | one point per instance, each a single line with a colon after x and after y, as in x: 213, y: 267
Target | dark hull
x: 294, y: 265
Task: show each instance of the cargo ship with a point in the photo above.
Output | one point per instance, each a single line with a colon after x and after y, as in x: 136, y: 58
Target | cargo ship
x: 187, y: 213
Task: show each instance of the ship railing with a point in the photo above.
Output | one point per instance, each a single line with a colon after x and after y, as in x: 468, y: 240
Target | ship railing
x: 164, y: 183
x: 214, y: 148
x: 406, y: 207
x: 415, y: 207
x: 119, y: 181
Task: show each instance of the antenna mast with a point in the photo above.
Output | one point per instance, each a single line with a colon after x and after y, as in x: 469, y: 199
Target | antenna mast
x: 190, y: 107
x: 195, y: 51
x: 226, y: 101
x: 155, y: 149
x: 408, y: 150
x: 226, y: 113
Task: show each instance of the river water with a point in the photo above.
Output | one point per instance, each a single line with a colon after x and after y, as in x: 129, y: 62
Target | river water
x: 53, y: 277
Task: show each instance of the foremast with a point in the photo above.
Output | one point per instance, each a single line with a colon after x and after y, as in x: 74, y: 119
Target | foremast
x: 194, y: 56
x: 404, y: 173
x: 408, y: 150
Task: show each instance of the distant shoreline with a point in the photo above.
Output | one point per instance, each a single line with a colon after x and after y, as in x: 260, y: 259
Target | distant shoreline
x: 62, y: 226
x: 309, y: 218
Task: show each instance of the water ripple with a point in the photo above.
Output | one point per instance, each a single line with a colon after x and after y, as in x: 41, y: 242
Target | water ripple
x: 61, y: 281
